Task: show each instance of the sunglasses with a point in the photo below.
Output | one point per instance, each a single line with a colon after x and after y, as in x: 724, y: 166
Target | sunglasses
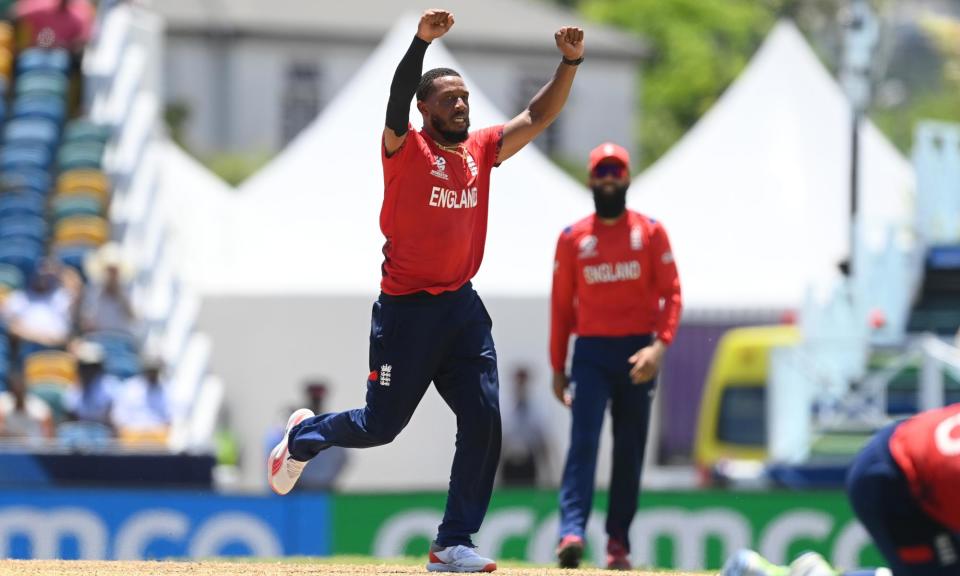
x: 605, y: 170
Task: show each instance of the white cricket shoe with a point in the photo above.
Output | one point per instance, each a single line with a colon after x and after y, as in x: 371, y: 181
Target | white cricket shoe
x: 458, y: 559
x: 282, y: 470
x: 811, y: 564
x: 750, y: 563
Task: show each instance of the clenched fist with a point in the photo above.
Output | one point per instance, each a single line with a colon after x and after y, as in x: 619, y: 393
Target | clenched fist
x: 434, y: 23
x: 570, y: 42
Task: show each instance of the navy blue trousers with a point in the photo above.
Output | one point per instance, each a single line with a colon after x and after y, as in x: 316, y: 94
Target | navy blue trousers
x: 414, y: 340
x: 601, y: 376
x: 913, y: 543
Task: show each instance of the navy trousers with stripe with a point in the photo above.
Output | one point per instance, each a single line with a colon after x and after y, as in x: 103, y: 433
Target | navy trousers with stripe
x: 913, y: 543
x: 601, y: 375
x: 414, y: 340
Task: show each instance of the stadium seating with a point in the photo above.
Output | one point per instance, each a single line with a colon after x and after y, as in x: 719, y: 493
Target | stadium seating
x: 21, y: 202
x: 35, y: 179
x: 31, y: 228
x: 83, y: 180
x: 78, y: 204
x: 39, y: 82
x: 87, y: 230
x: 43, y: 60
x: 11, y: 278
x: 22, y: 254
x: 54, y: 199
x: 25, y: 155
x: 122, y: 358
x: 50, y: 367
x: 42, y: 106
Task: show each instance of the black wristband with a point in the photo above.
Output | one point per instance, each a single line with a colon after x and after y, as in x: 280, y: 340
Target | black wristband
x: 570, y: 62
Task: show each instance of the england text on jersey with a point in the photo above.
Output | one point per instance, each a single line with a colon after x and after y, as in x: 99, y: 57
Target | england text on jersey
x: 444, y: 198
x: 608, y: 272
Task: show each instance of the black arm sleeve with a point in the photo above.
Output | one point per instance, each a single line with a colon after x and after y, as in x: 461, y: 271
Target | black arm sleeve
x: 404, y: 86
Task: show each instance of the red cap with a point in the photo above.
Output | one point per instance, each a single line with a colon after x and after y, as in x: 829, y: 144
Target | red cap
x: 606, y: 151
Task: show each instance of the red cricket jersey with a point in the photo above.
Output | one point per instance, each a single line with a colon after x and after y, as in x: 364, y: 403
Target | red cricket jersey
x: 434, y: 213
x: 613, y: 280
x: 927, y: 449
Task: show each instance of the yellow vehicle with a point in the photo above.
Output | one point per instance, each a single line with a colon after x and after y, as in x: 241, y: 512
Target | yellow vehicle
x: 733, y: 412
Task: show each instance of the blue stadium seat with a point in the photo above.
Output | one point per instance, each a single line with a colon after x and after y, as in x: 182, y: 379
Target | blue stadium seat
x: 80, y: 156
x: 32, y: 178
x: 38, y: 82
x: 67, y: 205
x: 113, y: 342
x: 74, y: 255
x: 11, y: 278
x: 32, y: 130
x: 21, y: 203
x: 25, y: 156
x: 83, y: 434
x: 42, y: 106
x: 27, y: 227
x: 48, y: 60
x: 83, y: 130
x: 122, y: 365
x: 23, y: 254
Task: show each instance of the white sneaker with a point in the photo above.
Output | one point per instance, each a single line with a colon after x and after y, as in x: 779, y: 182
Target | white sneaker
x: 282, y: 470
x: 811, y: 564
x: 750, y: 563
x: 458, y: 559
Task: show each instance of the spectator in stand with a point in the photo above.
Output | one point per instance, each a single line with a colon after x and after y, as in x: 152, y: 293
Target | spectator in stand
x: 105, y: 304
x: 93, y: 401
x: 41, y: 316
x: 55, y: 24
x: 525, y: 458
x: 141, y: 409
x: 24, y: 416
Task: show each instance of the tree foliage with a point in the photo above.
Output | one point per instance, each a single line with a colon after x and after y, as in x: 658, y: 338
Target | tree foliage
x: 698, y: 49
x: 700, y: 46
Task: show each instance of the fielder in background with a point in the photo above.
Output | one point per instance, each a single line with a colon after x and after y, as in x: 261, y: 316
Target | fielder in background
x: 429, y: 324
x: 904, y: 486
x: 615, y: 286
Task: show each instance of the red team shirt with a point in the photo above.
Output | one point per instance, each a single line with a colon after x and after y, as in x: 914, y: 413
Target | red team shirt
x: 434, y: 213
x: 927, y: 449
x: 609, y: 280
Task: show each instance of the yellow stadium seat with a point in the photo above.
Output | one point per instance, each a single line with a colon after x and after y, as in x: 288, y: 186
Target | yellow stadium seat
x: 86, y: 180
x: 90, y: 230
x: 6, y: 64
x: 147, y: 436
x: 6, y: 36
x: 49, y: 367
x: 102, y: 196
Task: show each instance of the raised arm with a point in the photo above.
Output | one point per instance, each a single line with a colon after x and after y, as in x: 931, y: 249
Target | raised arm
x: 548, y: 102
x: 433, y: 24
